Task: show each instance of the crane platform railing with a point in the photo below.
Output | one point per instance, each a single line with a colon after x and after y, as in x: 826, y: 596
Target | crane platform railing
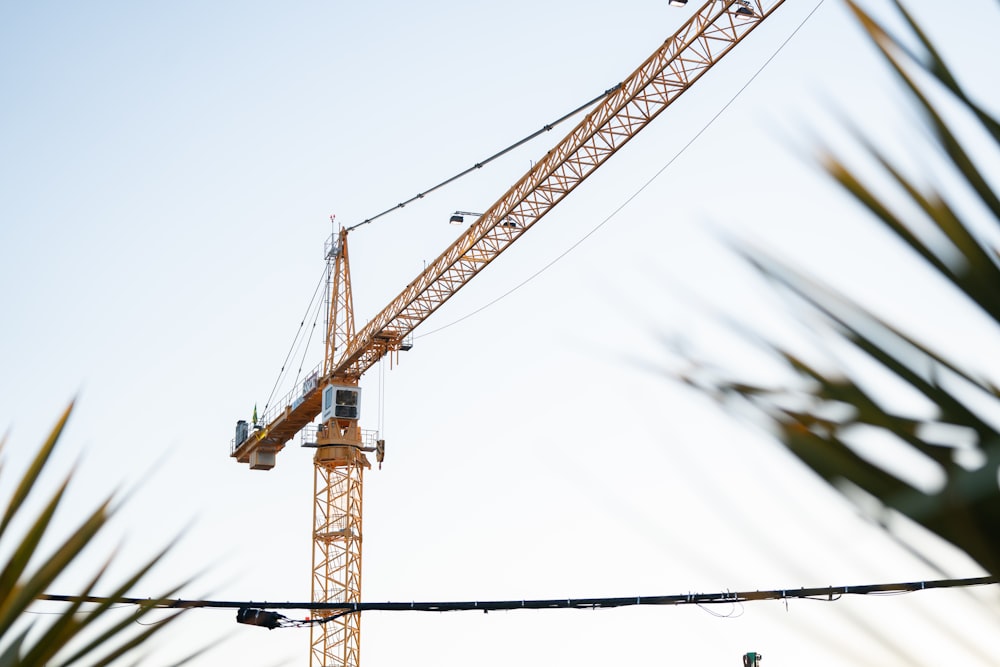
x: 307, y: 437
x: 292, y: 399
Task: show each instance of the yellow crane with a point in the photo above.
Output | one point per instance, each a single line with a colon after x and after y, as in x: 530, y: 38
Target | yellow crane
x: 332, y: 391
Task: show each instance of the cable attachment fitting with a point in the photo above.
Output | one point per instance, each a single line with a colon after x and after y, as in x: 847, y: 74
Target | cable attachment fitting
x: 261, y: 617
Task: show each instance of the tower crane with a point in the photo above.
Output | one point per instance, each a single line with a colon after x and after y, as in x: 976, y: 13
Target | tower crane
x: 331, y: 393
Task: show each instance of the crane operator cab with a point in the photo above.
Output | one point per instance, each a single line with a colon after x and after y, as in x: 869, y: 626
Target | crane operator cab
x: 339, y: 437
x: 341, y: 402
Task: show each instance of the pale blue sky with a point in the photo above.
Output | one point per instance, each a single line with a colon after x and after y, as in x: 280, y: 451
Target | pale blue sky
x: 167, y: 173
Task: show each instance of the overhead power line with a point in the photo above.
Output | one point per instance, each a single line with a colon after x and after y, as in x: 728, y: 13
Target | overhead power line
x: 255, y: 613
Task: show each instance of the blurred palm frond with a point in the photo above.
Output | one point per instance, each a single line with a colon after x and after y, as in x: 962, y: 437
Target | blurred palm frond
x: 819, y: 413
x: 79, y: 633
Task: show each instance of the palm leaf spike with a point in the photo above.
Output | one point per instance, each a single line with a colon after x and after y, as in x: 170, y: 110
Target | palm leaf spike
x: 961, y: 516
x: 27, y: 590
x: 837, y: 309
x: 94, y: 641
x: 933, y: 63
x: 64, y: 628
x: 980, y: 270
x: 147, y: 607
x: 888, y: 45
x: 964, y: 508
x: 30, y: 476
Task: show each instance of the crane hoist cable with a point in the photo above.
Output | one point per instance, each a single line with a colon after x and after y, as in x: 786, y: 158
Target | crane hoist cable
x: 297, y: 341
x: 482, y: 163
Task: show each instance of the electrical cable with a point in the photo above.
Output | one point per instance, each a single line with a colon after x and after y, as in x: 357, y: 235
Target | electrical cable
x: 635, y: 194
x: 480, y: 165
x: 255, y: 613
x: 735, y: 612
x: 78, y: 612
x: 159, y: 622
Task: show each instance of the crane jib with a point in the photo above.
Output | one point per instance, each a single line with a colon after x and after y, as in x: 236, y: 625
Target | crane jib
x: 654, y: 85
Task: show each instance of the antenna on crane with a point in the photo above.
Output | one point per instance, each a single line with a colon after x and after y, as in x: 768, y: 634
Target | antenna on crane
x: 332, y: 247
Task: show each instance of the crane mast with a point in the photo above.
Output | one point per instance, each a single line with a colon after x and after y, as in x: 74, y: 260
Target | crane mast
x: 332, y: 391
x: 338, y: 475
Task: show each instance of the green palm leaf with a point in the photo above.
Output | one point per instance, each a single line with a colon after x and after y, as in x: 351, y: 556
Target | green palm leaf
x: 25, y: 576
x: 818, y: 413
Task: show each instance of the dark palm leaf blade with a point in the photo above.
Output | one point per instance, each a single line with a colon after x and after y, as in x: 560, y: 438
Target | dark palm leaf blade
x: 64, y: 628
x: 116, y: 642
x: 899, y: 353
x: 977, y: 273
x: 834, y: 460
x: 34, y: 470
x: 869, y: 413
x: 946, y: 138
x: 19, y: 559
x: 27, y: 591
x: 93, y: 637
x: 977, y: 263
x: 130, y: 645
x: 935, y: 65
x: 87, y: 651
x: 883, y: 213
x: 11, y: 655
x: 965, y: 510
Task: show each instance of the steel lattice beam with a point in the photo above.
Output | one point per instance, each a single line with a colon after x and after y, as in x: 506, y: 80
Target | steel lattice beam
x: 701, y: 42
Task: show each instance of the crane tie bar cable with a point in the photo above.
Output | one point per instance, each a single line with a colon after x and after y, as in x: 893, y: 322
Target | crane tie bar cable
x: 480, y: 165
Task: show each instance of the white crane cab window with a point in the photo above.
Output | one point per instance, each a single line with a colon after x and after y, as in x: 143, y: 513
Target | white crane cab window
x: 341, y: 402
